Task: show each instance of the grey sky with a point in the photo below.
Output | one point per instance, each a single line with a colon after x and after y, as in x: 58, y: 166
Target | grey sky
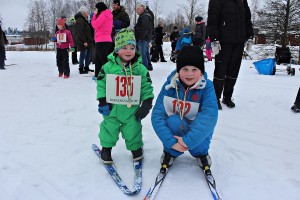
x: 14, y: 12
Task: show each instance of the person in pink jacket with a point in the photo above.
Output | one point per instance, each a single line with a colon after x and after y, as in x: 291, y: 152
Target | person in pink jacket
x: 63, y: 41
x: 102, y: 23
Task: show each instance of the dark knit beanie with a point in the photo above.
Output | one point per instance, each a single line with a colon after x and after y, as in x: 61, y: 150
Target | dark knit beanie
x: 101, y: 6
x: 190, y: 56
x: 116, y: 2
x: 198, y: 19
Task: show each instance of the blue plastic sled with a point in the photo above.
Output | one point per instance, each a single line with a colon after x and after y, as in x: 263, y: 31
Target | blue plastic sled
x: 266, y: 66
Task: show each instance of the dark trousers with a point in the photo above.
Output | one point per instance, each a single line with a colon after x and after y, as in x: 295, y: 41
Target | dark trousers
x: 173, y: 45
x: 160, y: 51
x: 103, y: 49
x: 227, y: 67
x: 62, y: 61
x: 2, y: 56
x: 74, y: 56
x: 297, y: 101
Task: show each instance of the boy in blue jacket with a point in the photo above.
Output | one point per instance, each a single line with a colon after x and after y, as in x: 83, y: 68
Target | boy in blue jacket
x: 186, y: 110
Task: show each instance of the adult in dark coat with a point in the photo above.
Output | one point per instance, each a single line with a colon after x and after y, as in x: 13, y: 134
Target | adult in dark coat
x: 159, y: 34
x: 84, y: 39
x: 3, y: 42
x: 174, y: 37
x: 143, y: 34
x: 229, y: 27
x: 73, y: 29
x: 120, y: 17
x: 200, y: 32
x: 296, y: 106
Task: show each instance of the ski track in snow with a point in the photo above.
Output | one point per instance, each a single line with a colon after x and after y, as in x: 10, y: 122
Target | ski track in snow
x: 47, y: 126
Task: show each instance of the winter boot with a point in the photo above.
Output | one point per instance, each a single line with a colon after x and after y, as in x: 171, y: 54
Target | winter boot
x: 228, y: 102
x: 106, y: 155
x: 137, y: 154
x: 2, y: 67
x: 66, y: 76
x: 81, y: 71
x: 219, y: 105
x: 296, y: 108
x: 60, y: 74
x: 87, y: 70
x: 166, y: 159
x: 204, y: 161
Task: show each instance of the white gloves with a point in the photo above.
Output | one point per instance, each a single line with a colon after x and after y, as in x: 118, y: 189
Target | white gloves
x: 249, y: 44
x: 216, y: 47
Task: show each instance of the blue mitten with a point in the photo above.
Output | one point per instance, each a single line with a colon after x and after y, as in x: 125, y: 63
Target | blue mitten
x: 104, y: 110
x: 53, y: 39
x: 178, y: 126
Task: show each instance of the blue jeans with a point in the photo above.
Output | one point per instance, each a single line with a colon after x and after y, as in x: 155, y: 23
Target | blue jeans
x: 143, y: 47
x: 85, y: 58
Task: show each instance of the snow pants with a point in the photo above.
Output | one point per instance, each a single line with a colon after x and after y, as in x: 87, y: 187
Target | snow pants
x: 62, y: 61
x: 227, y: 67
x: 297, y: 101
x: 180, y: 128
x: 102, y: 51
x: 130, y: 128
x: 2, y: 56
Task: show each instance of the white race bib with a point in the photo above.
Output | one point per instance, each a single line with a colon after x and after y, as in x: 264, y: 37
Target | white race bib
x: 171, y: 107
x: 117, y: 89
x: 61, y: 37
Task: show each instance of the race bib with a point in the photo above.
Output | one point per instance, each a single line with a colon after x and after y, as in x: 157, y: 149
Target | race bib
x: 122, y: 90
x: 171, y: 107
x: 61, y: 37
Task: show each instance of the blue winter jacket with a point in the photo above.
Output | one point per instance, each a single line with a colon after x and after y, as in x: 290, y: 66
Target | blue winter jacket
x: 201, y: 123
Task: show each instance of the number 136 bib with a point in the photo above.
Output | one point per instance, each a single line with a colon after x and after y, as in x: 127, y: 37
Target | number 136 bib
x: 122, y: 90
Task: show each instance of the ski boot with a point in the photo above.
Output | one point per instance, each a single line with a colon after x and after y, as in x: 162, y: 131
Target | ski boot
x: 137, y: 155
x: 166, y: 161
x: 106, y: 155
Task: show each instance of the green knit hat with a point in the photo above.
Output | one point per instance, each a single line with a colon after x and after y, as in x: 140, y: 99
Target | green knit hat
x: 124, y: 36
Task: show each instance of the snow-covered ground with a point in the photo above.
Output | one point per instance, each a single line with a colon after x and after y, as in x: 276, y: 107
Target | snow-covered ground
x: 48, y: 124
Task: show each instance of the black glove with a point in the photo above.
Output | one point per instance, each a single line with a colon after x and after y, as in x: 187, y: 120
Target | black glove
x: 144, y: 110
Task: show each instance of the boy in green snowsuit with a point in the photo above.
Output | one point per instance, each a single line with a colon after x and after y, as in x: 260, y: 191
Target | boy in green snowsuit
x: 125, y: 94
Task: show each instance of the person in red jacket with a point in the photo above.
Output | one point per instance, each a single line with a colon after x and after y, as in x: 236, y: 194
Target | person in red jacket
x: 63, y: 41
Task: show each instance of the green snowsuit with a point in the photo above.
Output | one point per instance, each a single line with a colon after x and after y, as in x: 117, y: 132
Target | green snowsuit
x: 122, y: 119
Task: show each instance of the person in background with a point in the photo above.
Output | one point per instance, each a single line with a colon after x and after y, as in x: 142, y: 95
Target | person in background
x: 63, y: 41
x: 120, y: 17
x: 84, y: 39
x: 102, y: 23
x: 159, y: 34
x: 73, y: 30
x: 185, y: 39
x: 143, y: 34
x: 174, y: 37
x: 66, y: 25
x: 3, y: 42
x: 296, y: 106
x: 200, y: 32
x: 186, y: 110
x: 125, y: 63
x: 208, y: 49
x: 229, y: 26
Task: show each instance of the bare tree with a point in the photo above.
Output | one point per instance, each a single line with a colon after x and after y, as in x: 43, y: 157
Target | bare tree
x: 254, y: 8
x: 192, y: 9
x: 156, y: 8
x: 278, y: 18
